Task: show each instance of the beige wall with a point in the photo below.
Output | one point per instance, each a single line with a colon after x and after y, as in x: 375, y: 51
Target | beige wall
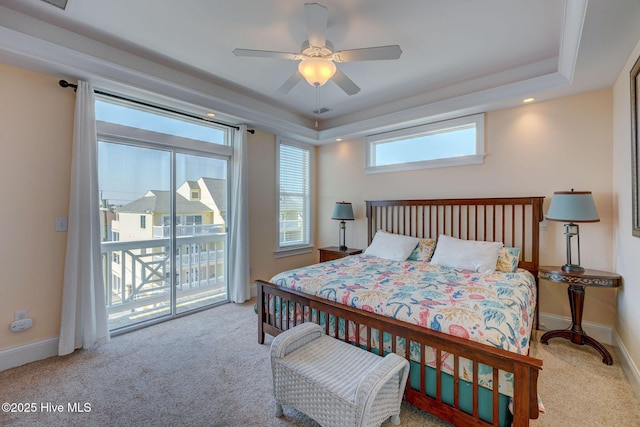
x: 532, y: 150
x: 627, y: 247
x: 36, y: 119
x: 262, y: 212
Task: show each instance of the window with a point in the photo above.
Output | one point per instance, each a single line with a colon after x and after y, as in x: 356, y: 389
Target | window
x: 143, y: 221
x: 294, y: 163
x: 193, y: 219
x: 449, y: 143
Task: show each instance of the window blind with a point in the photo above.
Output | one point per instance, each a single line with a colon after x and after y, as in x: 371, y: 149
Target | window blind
x: 294, y: 210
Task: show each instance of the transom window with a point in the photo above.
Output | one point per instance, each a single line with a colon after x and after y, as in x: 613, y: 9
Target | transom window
x: 452, y: 142
x: 121, y: 113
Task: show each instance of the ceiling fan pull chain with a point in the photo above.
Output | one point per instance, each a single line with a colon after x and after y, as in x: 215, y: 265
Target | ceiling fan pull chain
x: 317, y: 104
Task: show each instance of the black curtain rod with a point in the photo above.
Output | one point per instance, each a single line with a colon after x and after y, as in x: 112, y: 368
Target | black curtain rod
x: 65, y: 84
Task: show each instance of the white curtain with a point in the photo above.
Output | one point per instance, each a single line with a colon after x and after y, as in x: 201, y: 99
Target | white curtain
x: 239, y: 235
x: 84, y: 314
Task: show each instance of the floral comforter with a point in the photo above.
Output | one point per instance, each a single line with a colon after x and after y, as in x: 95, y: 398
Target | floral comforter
x: 495, y: 309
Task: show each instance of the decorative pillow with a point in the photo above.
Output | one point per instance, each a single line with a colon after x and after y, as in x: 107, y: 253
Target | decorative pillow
x: 395, y: 247
x: 423, y: 251
x: 473, y: 255
x: 508, y: 259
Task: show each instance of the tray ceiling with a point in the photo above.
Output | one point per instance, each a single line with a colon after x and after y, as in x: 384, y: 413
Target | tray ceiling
x: 458, y: 57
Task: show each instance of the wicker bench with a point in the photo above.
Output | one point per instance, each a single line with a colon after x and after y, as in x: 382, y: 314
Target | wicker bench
x: 335, y: 383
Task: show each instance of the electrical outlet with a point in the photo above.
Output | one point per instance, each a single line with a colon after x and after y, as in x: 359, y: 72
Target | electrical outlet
x: 22, y: 314
x: 21, y: 325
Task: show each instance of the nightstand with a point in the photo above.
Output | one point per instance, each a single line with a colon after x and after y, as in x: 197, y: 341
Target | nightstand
x: 333, y: 252
x: 577, y: 282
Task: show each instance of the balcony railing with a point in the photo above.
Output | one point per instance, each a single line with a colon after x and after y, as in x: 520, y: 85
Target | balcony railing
x: 164, y: 231
x: 137, y: 274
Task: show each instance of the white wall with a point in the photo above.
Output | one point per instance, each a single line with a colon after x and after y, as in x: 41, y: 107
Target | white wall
x: 627, y: 247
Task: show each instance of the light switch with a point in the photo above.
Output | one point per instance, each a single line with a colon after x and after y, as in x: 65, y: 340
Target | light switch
x: 61, y: 223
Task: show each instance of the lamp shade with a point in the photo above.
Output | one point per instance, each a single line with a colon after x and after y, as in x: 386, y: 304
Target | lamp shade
x: 343, y: 211
x: 572, y: 206
x: 316, y: 70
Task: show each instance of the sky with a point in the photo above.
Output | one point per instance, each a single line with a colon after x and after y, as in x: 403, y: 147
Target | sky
x: 427, y: 147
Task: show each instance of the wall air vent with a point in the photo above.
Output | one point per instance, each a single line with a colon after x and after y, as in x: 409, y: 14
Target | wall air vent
x: 62, y: 4
x: 321, y: 110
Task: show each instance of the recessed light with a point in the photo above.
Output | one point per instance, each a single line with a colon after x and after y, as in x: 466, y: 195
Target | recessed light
x: 338, y: 139
x: 528, y: 100
x: 211, y: 114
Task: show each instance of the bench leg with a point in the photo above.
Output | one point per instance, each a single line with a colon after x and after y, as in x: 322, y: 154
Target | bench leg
x: 278, y: 410
x: 395, y: 420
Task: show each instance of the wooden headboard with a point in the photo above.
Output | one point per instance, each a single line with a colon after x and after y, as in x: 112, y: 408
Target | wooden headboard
x: 515, y: 221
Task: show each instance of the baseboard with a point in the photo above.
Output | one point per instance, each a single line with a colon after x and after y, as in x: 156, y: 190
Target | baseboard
x: 629, y: 367
x: 28, y: 353
x: 599, y: 332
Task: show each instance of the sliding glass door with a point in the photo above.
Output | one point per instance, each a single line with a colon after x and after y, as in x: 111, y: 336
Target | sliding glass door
x: 134, y: 187
x: 201, y: 231
x: 164, y: 214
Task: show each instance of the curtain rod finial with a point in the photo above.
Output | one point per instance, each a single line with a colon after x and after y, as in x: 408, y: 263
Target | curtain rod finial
x: 64, y: 83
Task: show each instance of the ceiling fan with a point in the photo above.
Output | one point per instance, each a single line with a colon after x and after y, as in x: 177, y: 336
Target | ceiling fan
x: 317, y: 57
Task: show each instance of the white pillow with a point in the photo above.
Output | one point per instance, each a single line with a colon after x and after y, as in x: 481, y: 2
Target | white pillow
x: 395, y: 247
x: 473, y: 255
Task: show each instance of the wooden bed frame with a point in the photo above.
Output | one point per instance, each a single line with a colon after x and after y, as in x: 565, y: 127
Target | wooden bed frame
x: 513, y: 221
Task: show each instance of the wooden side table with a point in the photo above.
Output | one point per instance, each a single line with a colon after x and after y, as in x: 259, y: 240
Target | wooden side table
x: 334, y: 252
x: 577, y: 282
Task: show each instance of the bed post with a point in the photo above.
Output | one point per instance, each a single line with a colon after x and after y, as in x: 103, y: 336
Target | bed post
x: 261, y: 314
x: 370, y: 221
x: 538, y: 216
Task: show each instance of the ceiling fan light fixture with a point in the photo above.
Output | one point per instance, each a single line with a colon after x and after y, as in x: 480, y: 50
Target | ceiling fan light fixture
x: 316, y: 70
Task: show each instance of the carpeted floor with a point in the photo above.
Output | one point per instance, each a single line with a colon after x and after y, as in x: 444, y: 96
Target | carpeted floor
x: 207, y: 369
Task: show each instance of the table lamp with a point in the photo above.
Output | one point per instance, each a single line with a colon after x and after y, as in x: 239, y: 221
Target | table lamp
x: 571, y: 207
x: 344, y: 212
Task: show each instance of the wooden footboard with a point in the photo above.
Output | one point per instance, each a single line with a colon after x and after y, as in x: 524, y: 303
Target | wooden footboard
x: 293, y: 306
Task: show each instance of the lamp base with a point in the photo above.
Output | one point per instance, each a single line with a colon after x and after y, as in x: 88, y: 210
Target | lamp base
x: 572, y: 268
x: 342, y: 245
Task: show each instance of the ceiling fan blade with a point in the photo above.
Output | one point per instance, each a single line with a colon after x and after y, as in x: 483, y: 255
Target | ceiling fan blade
x: 368, y: 54
x: 345, y: 83
x: 317, y: 16
x: 290, y: 83
x: 266, y: 54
